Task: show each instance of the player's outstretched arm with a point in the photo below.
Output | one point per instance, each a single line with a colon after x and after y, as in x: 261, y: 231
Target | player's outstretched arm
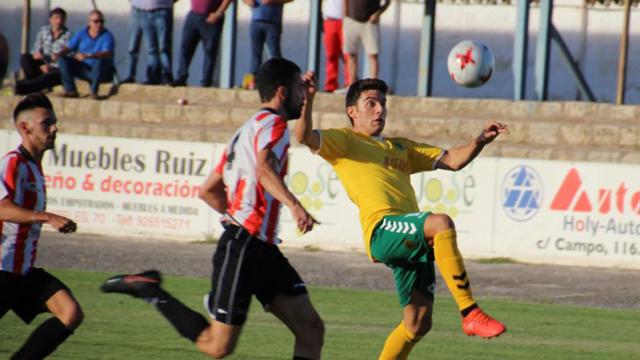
x: 274, y: 184
x: 458, y: 157
x: 303, y: 131
x: 11, y: 212
x: 213, y: 192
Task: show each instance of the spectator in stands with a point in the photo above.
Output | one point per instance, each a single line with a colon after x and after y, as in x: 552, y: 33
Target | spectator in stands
x: 266, y: 27
x: 361, y: 25
x: 333, y: 12
x: 39, y: 67
x: 204, y: 23
x: 152, y: 19
x: 94, y: 49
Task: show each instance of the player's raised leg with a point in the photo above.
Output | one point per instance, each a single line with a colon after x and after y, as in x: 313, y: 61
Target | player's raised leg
x: 146, y: 286
x: 219, y: 339
x: 440, y: 232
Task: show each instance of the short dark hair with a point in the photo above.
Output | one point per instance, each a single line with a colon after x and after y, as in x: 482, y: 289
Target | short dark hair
x: 274, y: 73
x: 359, y: 86
x: 30, y: 102
x: 58, y: 11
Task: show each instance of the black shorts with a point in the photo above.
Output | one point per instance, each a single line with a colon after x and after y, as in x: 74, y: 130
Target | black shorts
x: 243, y: 266
x: 27, y: 294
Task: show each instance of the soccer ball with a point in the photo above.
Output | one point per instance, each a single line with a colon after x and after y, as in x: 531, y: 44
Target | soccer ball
x: 470, y: 63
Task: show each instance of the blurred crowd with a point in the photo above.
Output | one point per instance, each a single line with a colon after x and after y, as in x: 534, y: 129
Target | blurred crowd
x: 59, y: 56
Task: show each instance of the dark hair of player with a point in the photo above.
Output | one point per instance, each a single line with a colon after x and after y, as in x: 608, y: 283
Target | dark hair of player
x: 274, y: 73
x: 30, y: 102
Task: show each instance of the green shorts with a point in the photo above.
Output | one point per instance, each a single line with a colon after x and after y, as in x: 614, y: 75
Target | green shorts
x: 398, y: 242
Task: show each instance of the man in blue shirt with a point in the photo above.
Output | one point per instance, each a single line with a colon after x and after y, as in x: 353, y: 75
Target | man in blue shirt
x: 94, y: 49
x: 266, y: 27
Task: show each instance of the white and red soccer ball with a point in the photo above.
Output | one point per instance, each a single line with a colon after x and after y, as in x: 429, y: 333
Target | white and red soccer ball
x: 470, y: 63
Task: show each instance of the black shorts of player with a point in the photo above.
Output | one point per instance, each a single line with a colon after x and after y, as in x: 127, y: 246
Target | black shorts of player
x: 27, y: 294
x: 244, y: 265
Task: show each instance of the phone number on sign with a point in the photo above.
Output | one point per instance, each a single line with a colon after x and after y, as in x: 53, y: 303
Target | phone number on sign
x: 161, y: 222
x: 83, y: 217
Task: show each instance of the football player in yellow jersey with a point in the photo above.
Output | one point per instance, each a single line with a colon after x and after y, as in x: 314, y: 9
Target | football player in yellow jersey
x: 375, y: 172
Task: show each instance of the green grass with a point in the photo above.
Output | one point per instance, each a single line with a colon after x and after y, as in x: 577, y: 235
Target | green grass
x: 357, y: 322
x: 497, y: 260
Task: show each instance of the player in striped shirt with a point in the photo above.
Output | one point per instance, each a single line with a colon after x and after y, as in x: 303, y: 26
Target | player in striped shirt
x: 247, y: 186
x: 25, y: 289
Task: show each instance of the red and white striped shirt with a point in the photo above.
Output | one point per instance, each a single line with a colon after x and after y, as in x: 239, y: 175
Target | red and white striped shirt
x: 249, y: 203
x: 22, y: 181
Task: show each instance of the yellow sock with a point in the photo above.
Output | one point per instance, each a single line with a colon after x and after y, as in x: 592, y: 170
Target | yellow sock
x: 451, y: 267
x: 399, y: 344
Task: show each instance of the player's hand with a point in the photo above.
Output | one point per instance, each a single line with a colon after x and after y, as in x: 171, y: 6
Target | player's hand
x: 491, y: 131
x: 44, y: 68
x: 80, y: 56
x: 304, y: 220
x: 61, y: 223
x: 38, y: 55
x: 251, y: 3
x: 55, y: 56
x: 310, y: 84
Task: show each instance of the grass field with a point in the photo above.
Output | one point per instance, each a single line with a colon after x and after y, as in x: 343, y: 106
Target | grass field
x: 357, y: 322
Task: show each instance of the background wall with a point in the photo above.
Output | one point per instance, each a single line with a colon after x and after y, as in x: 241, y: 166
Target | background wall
x: 533, y: 210
x: 591, y: 34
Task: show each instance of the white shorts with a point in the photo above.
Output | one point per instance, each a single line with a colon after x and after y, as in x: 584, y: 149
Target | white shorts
x: 355, y: 32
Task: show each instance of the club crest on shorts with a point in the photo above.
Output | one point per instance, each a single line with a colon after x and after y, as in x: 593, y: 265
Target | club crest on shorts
x: 410, y: 244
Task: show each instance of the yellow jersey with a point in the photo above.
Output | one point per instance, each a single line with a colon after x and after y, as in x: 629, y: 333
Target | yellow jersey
x: 375, y: 172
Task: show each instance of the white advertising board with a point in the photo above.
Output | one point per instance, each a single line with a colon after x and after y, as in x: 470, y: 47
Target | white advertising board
x: 532, y: 210
x: 315, y: 183
x: 582, y: 213
x: 467, y: 196
x: 129, y: 186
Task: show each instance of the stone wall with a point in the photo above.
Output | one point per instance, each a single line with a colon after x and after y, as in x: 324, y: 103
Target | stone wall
x: 578, y: 131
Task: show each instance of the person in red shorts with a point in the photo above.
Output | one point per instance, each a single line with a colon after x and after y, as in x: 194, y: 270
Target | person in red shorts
x: 333, y: 12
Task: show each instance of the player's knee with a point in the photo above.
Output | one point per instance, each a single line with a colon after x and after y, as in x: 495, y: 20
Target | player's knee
x: 219, y: 351
x: 312, y: 334
x: 440, y: 222
x: 419, y: 327
x: 213, y: 346
x: 424, y: 327
x: 318, y: 329
x: 72, y: 316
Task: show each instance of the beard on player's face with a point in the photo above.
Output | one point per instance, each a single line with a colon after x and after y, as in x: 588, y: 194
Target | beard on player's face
x: 293, y: 110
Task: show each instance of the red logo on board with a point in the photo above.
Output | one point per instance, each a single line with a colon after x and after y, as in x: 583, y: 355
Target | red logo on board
x: 571, y: 196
